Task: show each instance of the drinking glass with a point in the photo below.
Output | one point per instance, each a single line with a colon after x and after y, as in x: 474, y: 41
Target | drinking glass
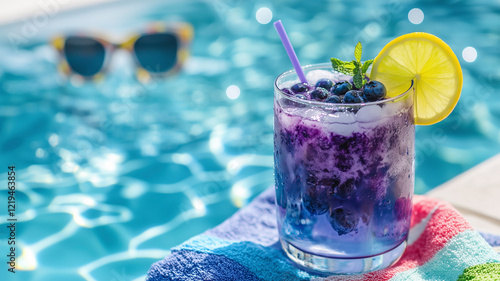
x: 344, y: 177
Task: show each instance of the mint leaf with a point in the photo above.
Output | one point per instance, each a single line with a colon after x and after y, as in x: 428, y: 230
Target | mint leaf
x: 337, y: 64
x: 348, y: 68
x: 357, y: 51
x: 365, y: 66
x: 342, y: 66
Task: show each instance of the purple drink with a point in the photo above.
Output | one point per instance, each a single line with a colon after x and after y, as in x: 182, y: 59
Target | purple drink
x: 344, y: 178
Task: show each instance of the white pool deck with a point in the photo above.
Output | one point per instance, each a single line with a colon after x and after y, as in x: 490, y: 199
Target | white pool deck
x: 13, y: 11
x: 476, y: 194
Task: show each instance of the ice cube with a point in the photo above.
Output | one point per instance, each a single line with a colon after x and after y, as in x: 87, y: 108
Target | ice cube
x: 315, y: 114
x: 392, y: 108
x: 369, y: 113
x: 339, y: 117
x: 342, y: 123
x: 314, y: 75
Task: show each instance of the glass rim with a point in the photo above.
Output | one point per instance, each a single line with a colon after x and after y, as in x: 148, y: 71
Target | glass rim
x: 339, y: 105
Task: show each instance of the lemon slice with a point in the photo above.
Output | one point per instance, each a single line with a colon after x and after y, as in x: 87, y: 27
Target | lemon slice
x: 433, y: 66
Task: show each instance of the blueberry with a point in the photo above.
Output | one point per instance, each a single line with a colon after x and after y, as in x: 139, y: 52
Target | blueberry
x: 353, y: 96
x: 299, y: 96
x: 287, y: 91
x: 341, y: 88
x: 333, y: 99
x: 324, y: 83
x: 343, y: 221
x: 374, y: 91
x: 345, y: 190
x: 319, y: 94
x: 300, y: 88
x: 316, y: 200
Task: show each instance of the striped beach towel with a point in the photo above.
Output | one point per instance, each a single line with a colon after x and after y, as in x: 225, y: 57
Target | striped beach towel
x: 441, y: 246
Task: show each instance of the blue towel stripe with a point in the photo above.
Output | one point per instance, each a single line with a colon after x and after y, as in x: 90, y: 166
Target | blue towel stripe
x: 265, y: 262
x: 193, y: 266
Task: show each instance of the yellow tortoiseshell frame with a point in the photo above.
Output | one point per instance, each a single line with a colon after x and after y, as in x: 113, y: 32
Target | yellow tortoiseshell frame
x: 183, y: 31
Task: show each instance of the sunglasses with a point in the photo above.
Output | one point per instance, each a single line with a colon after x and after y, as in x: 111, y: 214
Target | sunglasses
x: 160, y: 51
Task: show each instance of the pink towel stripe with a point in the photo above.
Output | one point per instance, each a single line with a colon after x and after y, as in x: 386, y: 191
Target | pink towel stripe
x: 435, y: 236
x: 422, y: 206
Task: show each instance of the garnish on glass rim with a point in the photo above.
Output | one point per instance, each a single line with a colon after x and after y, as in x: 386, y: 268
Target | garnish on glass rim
x: 354, y: 67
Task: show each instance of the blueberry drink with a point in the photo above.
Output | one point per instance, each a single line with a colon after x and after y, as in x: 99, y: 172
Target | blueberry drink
x: 344, y: 170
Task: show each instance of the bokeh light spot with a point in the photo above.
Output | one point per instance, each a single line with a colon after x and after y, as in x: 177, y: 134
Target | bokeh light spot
x: 469, y: 54
x: 416, y: 16
x: 233, y: 92
x: 54, y: 140
x: 264, y: 15
x: 40, y: 153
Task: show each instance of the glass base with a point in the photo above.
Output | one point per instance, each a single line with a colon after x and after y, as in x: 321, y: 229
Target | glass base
x: 327, y: 265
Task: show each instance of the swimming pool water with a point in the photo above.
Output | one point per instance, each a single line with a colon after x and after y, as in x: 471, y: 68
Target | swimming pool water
x: 113, y: 174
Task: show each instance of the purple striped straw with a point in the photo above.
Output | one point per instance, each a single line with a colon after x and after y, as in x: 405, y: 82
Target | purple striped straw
x: 289, y: 50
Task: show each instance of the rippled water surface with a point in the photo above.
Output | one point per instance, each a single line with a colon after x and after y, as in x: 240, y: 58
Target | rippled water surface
x: 113, y: 174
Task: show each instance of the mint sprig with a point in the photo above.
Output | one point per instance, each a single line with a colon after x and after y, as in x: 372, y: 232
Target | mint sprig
x: 354, y: 67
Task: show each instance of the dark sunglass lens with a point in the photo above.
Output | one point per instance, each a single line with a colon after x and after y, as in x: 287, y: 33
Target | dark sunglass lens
x: 85, y: 55
x: 156, y: 52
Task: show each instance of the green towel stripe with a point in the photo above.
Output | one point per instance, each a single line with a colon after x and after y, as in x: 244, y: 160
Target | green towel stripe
x: 464, y: 250
x: 481, y: 272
